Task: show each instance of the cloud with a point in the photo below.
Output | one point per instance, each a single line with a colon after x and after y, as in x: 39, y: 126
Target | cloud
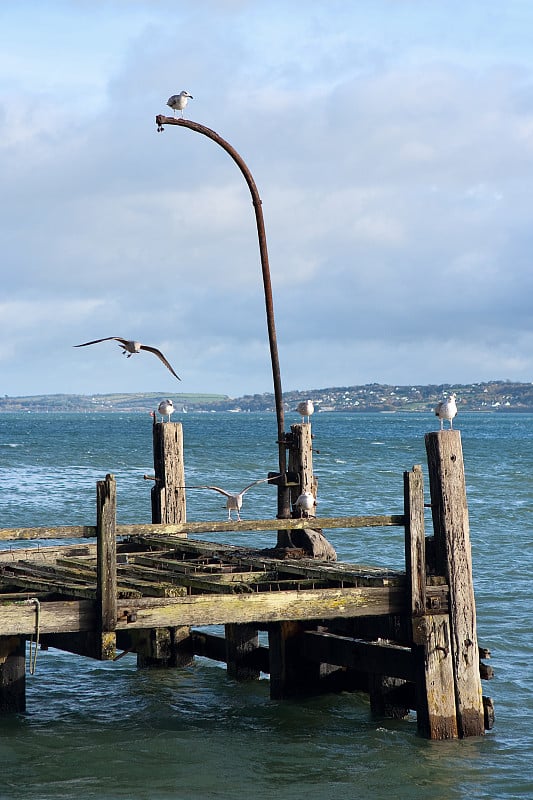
x: 393, y: 167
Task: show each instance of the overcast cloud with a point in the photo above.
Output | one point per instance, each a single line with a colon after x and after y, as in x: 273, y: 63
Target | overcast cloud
x: 391, y: 142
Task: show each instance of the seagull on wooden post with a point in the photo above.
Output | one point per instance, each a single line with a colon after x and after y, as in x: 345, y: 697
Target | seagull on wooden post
x: 446, y: 409
x: 130, y: 348
x: 178, y: 101
x: 305, y: 409
x: 166, y: 408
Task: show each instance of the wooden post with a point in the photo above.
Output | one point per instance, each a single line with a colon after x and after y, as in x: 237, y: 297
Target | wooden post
x: 454, y: 560
x: 435, y: 695
x: 291, y: 674
x: 106, y: 568
x: 311, y: 539
x: 300, y: 463
x: 12, y: 675
x: 301, y: 460
x: 168, y: 494
x: 167, y: 647
x: 241, y: 643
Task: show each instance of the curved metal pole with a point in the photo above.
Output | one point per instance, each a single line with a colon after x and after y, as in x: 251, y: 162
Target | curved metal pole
x: 284, y: 511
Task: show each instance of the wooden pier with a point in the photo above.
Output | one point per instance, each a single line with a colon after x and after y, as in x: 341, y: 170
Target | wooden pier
x: 407, y: 638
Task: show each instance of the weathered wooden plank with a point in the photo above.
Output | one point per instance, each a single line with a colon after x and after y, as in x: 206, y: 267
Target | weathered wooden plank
x: 62, y: 532
x: 18, y: 617
x: 88, y: 531
x: 415, y: 546
x: 262, y: 607
x: 48, y: 553
x: 45, y: 586
x: 452, y: 537
x: 436, y: 709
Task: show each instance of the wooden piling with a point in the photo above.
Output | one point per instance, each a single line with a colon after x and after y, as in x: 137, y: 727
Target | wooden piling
x: 434, y: 685
x: 291, y: 675
x: 301, y: 464
x: 311, y: 539
x: 106, y: 567
x: 12, y: 675
x: 454, y: 560
x: 168, y: 494
x: 167, y: 647
x: 242, y: 642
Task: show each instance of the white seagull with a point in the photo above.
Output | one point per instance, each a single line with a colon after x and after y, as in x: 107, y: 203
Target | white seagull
x: 178, y: 101
x: 306, y: 503
x: 166, y: 408
x: 129, y: 348
x: 447, y: 409
x: 305, y: 409
x: 234, y: 501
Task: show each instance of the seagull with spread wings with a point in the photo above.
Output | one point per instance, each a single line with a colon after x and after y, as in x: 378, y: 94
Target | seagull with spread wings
x: 130, y: 348
x: 234, y: 501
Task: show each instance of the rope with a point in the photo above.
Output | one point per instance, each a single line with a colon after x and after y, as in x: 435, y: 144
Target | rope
x: 33, y: 653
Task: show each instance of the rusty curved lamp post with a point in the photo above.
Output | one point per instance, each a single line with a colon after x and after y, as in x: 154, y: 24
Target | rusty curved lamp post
x: 284, y: 511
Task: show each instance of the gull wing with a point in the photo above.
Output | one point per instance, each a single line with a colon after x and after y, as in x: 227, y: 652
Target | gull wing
x: 105, y: 339
x: 162, y: 358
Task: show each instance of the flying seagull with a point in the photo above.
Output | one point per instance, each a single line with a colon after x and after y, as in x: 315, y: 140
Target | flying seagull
x: 447, y: 409
x: 129, y: 348
x: 234, y: 501
x: 305, y: 409
x: 178, y: 101
x: 306, y: 503
x: 166, y: 408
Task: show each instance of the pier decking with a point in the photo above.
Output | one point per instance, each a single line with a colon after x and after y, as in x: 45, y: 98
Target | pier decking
x: 408, y: 638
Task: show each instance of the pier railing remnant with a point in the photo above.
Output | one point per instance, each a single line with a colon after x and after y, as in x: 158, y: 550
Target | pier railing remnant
x: 407, y: 638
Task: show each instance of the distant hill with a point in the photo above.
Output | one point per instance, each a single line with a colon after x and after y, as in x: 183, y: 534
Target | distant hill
x: 495, y: 396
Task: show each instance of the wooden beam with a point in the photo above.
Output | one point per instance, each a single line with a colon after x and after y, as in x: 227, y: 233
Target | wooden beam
x: 262, y: 607
x: 383, y: 658
x: 89, y: 531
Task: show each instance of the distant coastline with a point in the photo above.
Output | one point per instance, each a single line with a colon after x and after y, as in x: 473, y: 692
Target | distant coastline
x: 493, y: 396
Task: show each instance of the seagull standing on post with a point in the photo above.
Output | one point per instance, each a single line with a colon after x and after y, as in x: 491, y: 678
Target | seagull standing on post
x: 447, y: 409
x: 305, y: 409
x: 178, y: 101
x: 166, y: 408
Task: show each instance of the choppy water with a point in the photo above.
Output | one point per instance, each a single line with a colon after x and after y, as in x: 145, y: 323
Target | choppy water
x: 101, y: 730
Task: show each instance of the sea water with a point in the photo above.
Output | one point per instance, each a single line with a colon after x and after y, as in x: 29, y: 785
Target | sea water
x: 108, y: 730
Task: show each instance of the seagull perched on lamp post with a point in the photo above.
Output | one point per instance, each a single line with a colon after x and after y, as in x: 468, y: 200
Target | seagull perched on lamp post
x: 130, y: 348
x: 234, y: 501
x: 446, y: 409
x: 178, y: 101
x: 305, y: 409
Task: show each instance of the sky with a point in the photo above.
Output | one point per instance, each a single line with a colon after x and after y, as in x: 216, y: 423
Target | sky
x: 391, y: 142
